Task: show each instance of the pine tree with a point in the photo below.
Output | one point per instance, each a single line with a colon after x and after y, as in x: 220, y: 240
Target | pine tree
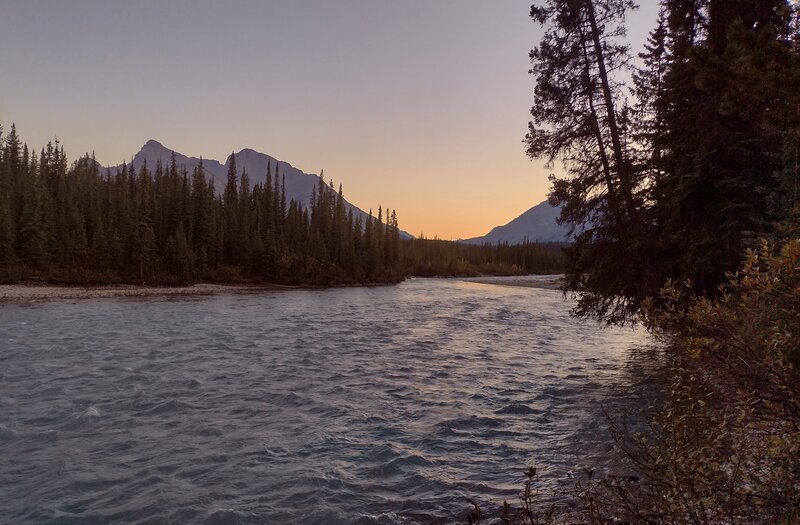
x: 245, y: 212
x: 7, y: 225
x: 730, y: 97
x: 231, y: 215
x: 578, y: 118
x: 145, y: 255
x: 32, y: 243
x: 278, y: 216
x: 201, y: 215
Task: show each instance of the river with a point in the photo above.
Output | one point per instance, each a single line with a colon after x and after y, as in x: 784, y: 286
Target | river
x: 382, y: 405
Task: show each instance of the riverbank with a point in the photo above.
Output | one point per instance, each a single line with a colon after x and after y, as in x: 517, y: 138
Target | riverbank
x: 35, y: 292
x: 47, y: 292
x: 547, y: 282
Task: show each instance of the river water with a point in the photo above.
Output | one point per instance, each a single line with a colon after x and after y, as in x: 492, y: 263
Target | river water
x: 355, y: 405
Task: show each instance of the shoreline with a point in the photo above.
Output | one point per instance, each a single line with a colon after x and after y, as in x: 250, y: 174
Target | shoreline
x: 29, y: 292
x: 544, y: 282
x: 37, y: 292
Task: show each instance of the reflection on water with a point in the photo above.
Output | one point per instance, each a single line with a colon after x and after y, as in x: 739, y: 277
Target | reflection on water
x: 358, y: 405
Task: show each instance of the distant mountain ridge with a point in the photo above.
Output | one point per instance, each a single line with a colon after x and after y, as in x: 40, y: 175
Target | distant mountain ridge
x: 299, y: 185
x: 538, y: 224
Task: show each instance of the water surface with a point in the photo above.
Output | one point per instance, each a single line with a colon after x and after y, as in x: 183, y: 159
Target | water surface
x: 354, y: 405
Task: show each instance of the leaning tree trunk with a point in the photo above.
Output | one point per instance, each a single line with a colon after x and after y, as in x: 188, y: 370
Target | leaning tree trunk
x: 613, y: 196
x: 620, y: 164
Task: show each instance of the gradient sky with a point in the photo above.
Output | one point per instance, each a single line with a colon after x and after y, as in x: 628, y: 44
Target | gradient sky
x: 416, y: 105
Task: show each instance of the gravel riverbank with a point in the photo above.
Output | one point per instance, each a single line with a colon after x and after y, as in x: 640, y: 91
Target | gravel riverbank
x: 33, y: 292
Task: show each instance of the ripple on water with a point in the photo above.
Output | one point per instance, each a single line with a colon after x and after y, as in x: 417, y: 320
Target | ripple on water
x: 518, y: 409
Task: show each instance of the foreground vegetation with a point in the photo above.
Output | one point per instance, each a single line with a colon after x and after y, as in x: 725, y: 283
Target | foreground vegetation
x: 725, y: 445
x: 79, y: 224
x: 687, y: 206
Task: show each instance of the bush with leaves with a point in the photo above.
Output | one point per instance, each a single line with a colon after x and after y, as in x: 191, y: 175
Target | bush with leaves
x: 725, y: 448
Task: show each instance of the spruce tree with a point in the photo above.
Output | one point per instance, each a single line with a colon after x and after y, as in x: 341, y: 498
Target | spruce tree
x: 146, y: 255
x: 32, y: 244
x: 727, y: 110
x: 7, y: 225
x: 230, y: 201
x: 578, y: 119
x: 245, y: 212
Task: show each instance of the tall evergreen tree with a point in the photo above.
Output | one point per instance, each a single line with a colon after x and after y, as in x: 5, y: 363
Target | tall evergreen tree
x: 578, y: 118
x: 706, y: 162
x: 7, y: 225
x: 244, y: 213
x: 146, y: 256
x: 725, y: 114
x: 231, y: 221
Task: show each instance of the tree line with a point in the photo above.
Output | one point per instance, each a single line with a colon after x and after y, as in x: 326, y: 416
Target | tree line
x: 438, y: 258
x: 671, y: 176
x: 80, y: 223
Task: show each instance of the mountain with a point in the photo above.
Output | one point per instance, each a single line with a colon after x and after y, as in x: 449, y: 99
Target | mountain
x: 298, y: 184
x: 538, y: 224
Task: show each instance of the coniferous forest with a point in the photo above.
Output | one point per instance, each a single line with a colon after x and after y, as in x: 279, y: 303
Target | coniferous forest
x: 80, y: 223
x: 680, y: 178
x: 681, y: 160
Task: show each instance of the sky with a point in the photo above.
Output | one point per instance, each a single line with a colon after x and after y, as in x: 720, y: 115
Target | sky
x: 418, y: 105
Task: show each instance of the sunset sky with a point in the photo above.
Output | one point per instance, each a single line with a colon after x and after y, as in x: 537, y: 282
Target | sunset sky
x: 416, y: 105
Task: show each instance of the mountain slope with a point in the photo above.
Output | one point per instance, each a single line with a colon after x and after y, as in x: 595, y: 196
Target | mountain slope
x: 299, y: 185
x: 538, y: 224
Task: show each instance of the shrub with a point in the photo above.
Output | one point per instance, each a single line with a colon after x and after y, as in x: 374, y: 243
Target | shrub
x: 725, y: 445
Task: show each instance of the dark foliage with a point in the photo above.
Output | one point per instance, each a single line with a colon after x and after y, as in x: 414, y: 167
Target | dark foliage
x: 678, y: 183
